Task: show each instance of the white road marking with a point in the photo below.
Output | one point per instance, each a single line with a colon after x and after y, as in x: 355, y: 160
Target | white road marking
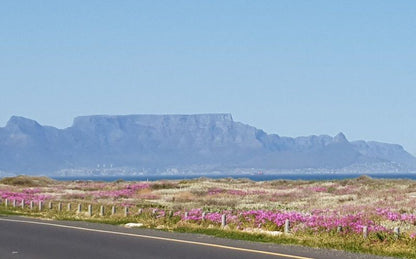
x: 157, y: 238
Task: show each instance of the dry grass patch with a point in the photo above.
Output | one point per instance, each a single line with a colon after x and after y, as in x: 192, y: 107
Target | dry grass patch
x: 27, y: 181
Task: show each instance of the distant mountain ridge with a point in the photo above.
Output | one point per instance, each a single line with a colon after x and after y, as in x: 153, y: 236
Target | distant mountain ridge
x: 210, y: 142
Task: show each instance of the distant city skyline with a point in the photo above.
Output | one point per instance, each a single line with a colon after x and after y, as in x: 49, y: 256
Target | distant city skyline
x: 292, y: 68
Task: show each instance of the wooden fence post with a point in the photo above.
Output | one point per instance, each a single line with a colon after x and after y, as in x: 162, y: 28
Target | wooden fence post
x: 6, y: 203
x: 79, y: 208
x: 23, y: 204
x: 89, y: 210
x: 60, y: 206
x: 32, y: 205
x: 365, y: 232
x: 40, y: 205
x: 113, y: 210
x: 396, y: 232
x: 203, y: 216
x: 102, y: 211
x: 223, y: 220
x: 126, y: 211
x: 339, y: 229
x: 50, y: 205
x: 69, y: 207
x: 287, y: 226
x: 14, y: 203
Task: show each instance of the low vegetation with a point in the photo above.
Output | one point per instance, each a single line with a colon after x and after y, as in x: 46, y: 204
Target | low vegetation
x: 29, y: 181
x: 330, y: 214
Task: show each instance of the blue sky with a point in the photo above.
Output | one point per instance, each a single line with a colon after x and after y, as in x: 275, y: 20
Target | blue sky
x: 288, y: 67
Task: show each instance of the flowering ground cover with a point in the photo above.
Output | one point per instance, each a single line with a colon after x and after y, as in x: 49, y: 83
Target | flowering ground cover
x: 320, y: 213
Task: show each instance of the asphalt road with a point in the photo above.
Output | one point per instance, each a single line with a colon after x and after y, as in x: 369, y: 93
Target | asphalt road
x: 33, y: 238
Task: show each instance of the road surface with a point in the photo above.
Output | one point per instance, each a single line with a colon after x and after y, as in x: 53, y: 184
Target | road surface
x: 22, y: 237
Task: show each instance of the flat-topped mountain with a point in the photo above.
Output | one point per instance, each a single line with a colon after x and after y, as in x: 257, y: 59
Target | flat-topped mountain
x: 155, y: 143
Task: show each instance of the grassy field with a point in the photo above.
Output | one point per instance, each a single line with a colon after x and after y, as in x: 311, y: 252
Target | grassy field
x: 328, y: 214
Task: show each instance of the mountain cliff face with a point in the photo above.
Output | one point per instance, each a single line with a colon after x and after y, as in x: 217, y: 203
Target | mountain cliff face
x: 157, y: 142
